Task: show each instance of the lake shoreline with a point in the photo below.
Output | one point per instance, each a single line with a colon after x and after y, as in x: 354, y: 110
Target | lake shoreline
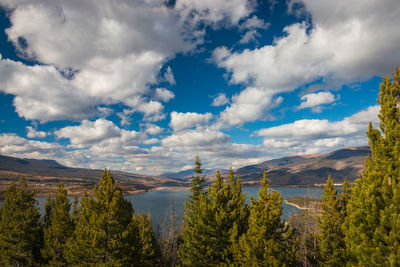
x: 162, y: 188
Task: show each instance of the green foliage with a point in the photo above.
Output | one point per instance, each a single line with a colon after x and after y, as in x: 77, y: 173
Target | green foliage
x: 332, y: 249
x: 268, y: 241
x: 21, y: 229
x: 227, y: 218
x: 59, y: 229
x: 75, y: 210
x: 103, y: 233
x: 193, y: 229
x: 48, y: 210
x: 196, y: 188
x: 147, y: 252
x: 373, y: 221
x: 213, y: 223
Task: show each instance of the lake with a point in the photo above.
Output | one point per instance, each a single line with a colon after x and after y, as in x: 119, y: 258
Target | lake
x: 156, y: 203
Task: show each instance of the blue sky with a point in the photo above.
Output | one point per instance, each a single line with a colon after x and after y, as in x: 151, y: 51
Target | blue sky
x: 145, y: 86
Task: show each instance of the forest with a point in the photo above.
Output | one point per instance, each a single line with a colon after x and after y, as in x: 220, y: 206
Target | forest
x: 358, y: 225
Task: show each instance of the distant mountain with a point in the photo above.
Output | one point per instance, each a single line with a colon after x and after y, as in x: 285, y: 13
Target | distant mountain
x: 44, y: 176
x: 186, y: 175
x: 309, y: 169
x: 300, y: 170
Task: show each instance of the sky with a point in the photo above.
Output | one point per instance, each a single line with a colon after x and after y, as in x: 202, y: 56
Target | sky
x: 144, y: 86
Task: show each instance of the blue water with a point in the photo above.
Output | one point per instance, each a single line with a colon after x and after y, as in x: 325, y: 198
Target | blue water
x: 156, y: 203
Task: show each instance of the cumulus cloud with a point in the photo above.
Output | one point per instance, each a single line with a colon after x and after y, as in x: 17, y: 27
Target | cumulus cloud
x: 180, y: 121
x: 153, y: 129
x: 249, y: 105
x: 89, y: 132
x: 164, y: 95
x: 250, y: 36
x: 202, y: 138
x: 312, y: 136
x: 169, y: 76
x: 315, y: 100
x: 343, y: 44
x: 254, y: 23
x: 13, y: 145
x: 33, y: 133
x: 214, y: 11
x: 251, y: 26
x: 41, y: 93
x: 220, y: 100
x: 76, y: 42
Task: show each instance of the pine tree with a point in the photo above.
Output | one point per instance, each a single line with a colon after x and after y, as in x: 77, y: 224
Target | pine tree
x: 218, y: 220
x: 196, y: 188
x: 48, y: 210
x: 103, y: 234
x: 59, y: 229
x: 75, y: 210
x: 373, y: 221
x: 268, y: 241
x: 194, y: 229
x: 21, y: 229
x: 147, y: 252
x: 228, y: 219
x: 332, y: 249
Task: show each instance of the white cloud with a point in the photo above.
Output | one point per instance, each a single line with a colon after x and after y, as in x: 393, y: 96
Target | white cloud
x: 80, y: 39
x: 313, y: 136
x: 41, y: 93
x: 104, y: 112
x: 33, y: 133
x: 153, y: 129
x: 220, y: 100
x: 152, y: 110
x: 254, y: 23
x: 202, y: 138
x: 89, y: 132
x: 250, y: 105
x: 249, y: 36
x: 315, y: 100
x: 164, y: 94
x: 180, y: 121
x: 15, y: 146
x: 251, y: 26
x: 214, y: 11
x: 169, y: 76
x: 343, y: 45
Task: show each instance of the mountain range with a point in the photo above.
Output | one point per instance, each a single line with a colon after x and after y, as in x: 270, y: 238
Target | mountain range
x: 304, y: 170
x: 44, y: 176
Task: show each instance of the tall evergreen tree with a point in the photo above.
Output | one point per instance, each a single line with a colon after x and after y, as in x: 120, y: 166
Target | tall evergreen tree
x: 194, y: 229
x: 48, y: 210
x: 220, y: 219
x: 147, y: 251
x: 228, y: 218
x: 268, y: 241
x: 196, y: 187
x: 59, y: 229
x: 332, y: 249
x: 21, y: 228
x: 373, y: 221
x: 75, y: 210
x: 103, y: 234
